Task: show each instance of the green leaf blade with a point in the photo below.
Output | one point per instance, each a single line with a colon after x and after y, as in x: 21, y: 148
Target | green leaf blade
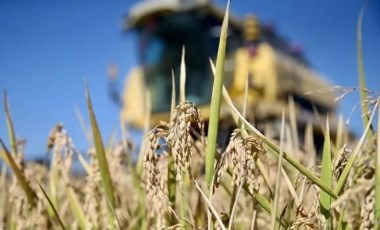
x: 326, y: 174
x: 11, y: 132
x: 76, y: 208
x: 52, y: 206
x: 29, y: 192
x: 216, y: 99
x: 361, y: 73
x: 100, y: 153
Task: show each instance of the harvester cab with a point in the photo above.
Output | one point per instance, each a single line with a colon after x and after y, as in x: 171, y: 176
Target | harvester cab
x: 276, y: 71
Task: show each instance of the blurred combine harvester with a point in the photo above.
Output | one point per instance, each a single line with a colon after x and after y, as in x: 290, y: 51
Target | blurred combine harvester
x: 277, y: 72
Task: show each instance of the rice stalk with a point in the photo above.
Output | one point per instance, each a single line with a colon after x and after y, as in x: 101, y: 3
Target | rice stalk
x: 171, y: 166
x: 182, y: 100
x: 55, y: 144
x: 93, y: 195
x: 291, y: 188
x: 267, y: 206
x: 85, y: 129
x: 12, y: 220
x: 199, y: 214
x: 53, y: 181
x: 135, y: 177
x: 3, y: 198
x: 187, y: 222
x: 84, y: 164
x: 148, y: 110
x: 210, y: 206
x: 293, y: 122
x: 341, y: 225
x: 253, y: 221
x: 62, y: 149
x: 309, y: 144
x: 216, y: 99
x: 233, y: 210
x: 246, y: 90
x: 132, y: 168
x: 278, y: 176
x: 340, y: 134
x: 76, y: 208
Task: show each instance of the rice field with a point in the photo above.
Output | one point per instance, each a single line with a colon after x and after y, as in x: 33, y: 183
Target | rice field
x: 184, y: 180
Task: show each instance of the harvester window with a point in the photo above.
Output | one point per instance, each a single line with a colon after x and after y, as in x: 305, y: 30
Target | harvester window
x: 162, y: 40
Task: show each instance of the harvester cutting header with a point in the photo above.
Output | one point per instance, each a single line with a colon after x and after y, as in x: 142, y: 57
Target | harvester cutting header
x: 276, y: 70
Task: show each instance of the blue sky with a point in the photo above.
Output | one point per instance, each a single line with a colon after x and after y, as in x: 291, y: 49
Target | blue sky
x: 48, y: 47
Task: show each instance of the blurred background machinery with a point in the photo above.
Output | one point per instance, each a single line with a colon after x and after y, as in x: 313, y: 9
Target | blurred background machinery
x: 277, y: 70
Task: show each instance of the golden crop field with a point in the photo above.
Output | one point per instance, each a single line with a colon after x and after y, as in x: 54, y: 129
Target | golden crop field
x: 184, y: 180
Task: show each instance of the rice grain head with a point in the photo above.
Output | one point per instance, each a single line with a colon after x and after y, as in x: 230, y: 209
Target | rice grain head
x: 241, y: 154
x: 340, y: 162
x: 156, y: 175
x: 180, y: 139
x: 367, y: 212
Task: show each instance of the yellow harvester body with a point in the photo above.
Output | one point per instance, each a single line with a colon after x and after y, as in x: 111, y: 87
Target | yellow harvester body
x: 275, y: 72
